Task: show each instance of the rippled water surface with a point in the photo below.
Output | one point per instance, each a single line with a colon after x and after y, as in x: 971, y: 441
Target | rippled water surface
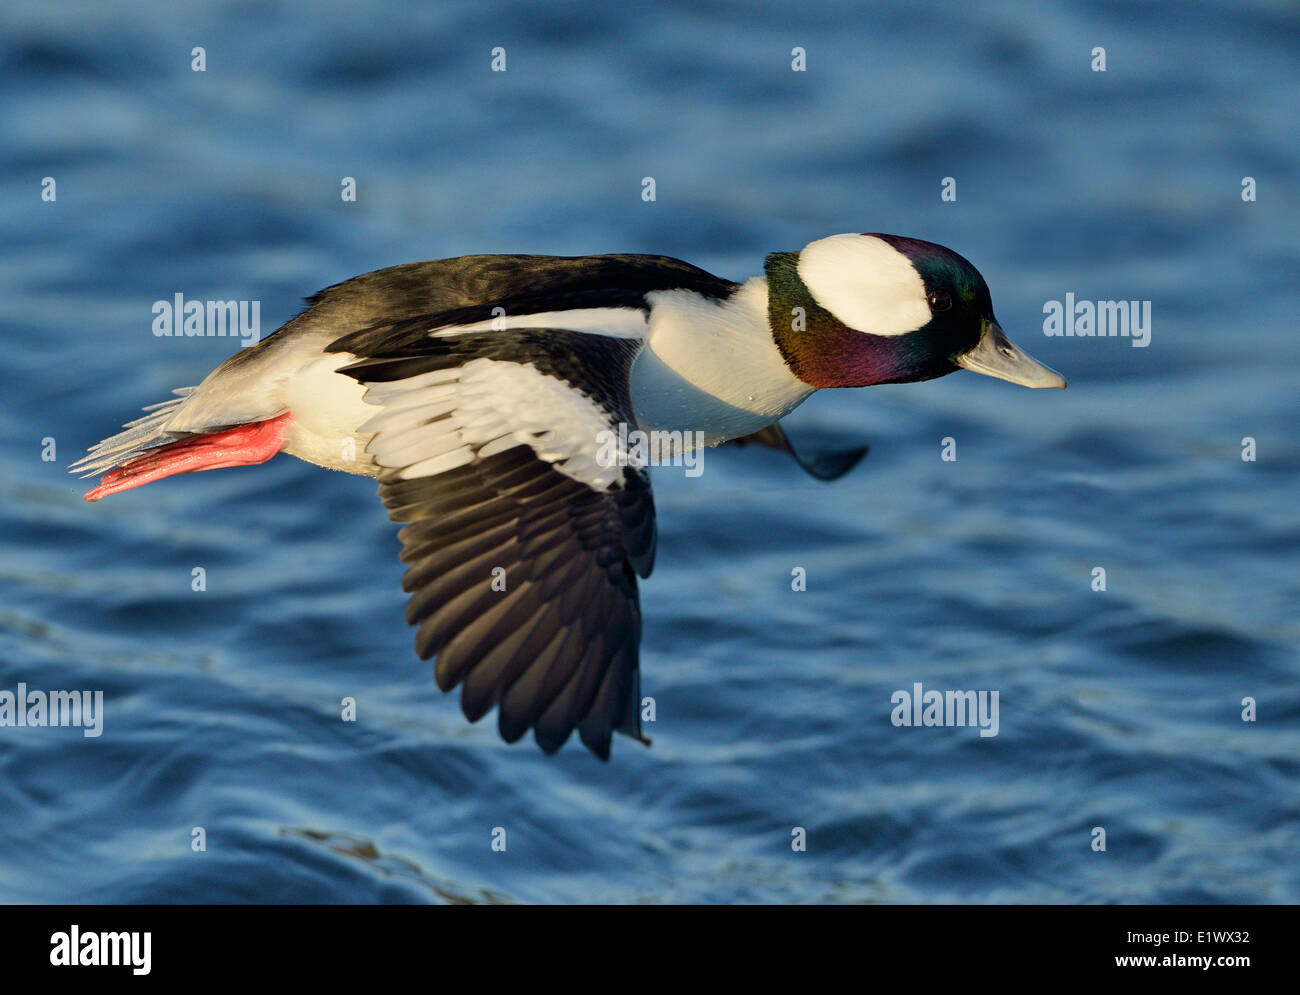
x: 1119, y: 709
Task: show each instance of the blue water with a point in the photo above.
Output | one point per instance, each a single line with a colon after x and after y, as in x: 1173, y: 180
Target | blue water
x: 1119, y: 709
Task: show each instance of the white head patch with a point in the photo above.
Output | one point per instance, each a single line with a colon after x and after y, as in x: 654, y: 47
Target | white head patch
x: 866, y: 283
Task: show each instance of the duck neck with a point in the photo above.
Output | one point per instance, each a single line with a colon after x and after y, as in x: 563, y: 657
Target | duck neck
x: 712, y: 366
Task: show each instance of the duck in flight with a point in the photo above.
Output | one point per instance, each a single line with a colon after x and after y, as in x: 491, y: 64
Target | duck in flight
x: 475, y: 390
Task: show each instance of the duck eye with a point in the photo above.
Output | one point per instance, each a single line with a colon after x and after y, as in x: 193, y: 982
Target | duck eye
x: 939, y: 302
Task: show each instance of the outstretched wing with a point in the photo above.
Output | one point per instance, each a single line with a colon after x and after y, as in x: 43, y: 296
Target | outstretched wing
x: 524, y: 535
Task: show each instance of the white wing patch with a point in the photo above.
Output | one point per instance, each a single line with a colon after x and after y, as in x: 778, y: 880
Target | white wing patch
x: 866, y: 283
x: 615, y: 322
x: 438, y: 421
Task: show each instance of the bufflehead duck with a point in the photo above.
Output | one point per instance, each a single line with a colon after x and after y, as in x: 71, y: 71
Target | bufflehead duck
x: 475, y: 390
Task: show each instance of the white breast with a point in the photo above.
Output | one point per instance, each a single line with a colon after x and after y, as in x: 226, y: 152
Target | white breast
x: 328, y: 411
x: 712, y: 367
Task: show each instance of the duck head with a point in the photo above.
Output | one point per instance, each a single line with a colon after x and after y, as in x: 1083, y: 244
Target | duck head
x: 856, y: 310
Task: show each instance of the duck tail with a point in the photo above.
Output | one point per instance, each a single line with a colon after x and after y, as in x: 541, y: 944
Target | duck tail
x: 136, y: 438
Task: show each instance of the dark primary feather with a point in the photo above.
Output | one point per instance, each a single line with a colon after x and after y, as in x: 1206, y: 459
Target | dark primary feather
x: 558, y: 648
